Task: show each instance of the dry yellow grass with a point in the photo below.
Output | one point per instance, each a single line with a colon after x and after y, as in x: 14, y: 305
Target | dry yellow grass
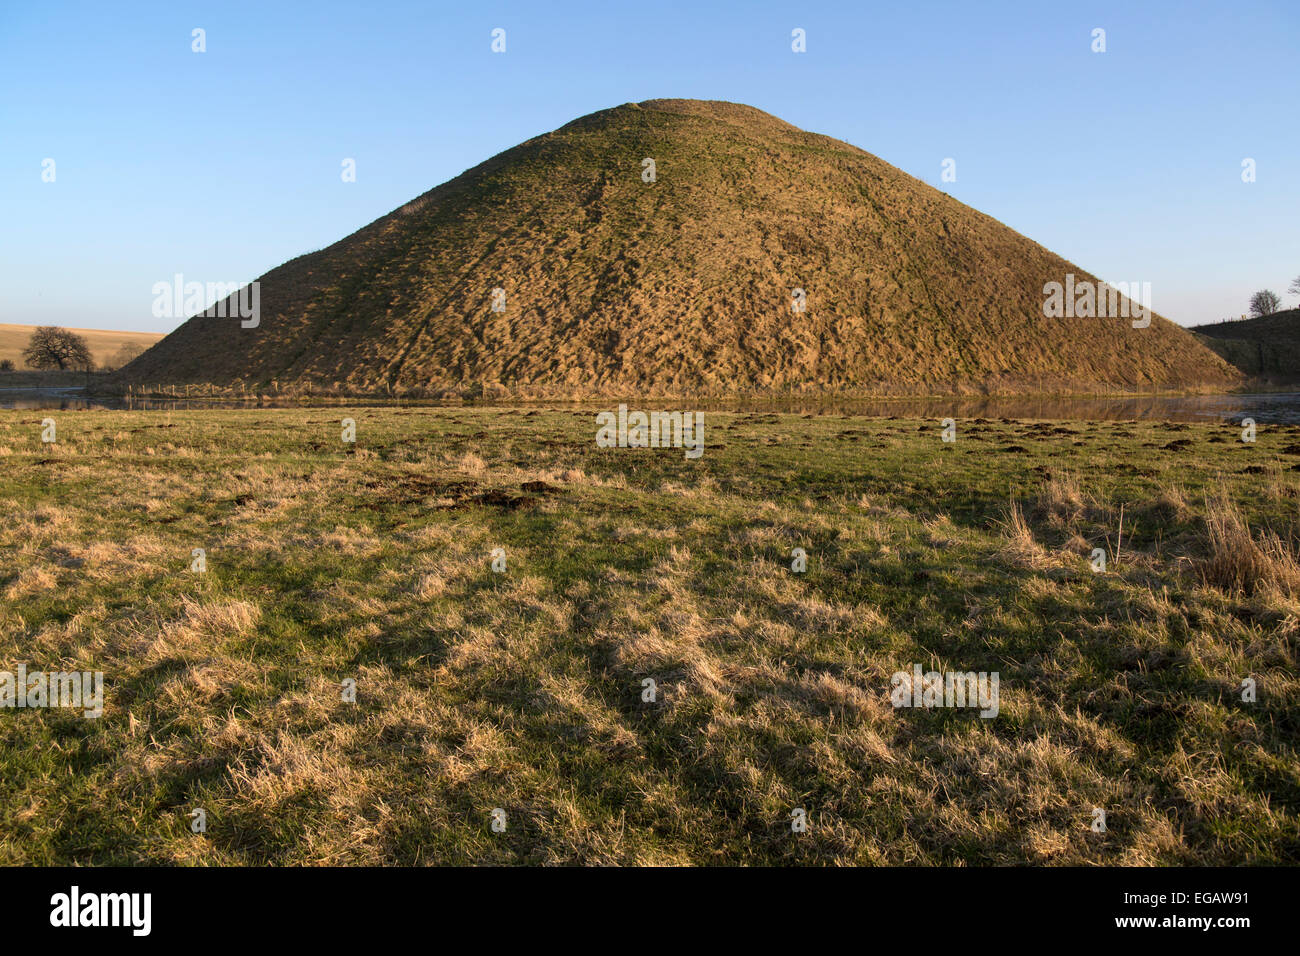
x: 522, y: 690
x: 104, y: 345
x: 681, y: 286
x: 1242, y: 561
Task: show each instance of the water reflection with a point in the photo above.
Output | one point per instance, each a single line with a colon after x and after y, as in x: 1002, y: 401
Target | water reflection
x: 1272, y: 407
x: 49, y: 399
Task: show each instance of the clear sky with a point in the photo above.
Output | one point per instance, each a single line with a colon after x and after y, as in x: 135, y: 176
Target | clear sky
x: 221, y: 165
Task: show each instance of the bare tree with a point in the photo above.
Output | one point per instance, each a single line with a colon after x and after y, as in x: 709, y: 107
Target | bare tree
x: 52, y: 347
x: 1295, y: 286
x: 1264, y: 303
x: 6, y: 365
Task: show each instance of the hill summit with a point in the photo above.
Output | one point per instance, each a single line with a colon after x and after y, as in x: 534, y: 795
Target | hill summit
x: 748, y: 256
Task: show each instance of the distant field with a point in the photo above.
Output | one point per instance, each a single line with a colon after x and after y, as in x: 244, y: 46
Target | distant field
x: 523, y: 690
x: 104, y: 345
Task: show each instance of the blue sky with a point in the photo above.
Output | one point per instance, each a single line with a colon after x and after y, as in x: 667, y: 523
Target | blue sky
x: 222, y: 165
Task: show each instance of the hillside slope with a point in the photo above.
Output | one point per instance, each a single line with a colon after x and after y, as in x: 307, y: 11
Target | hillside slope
x: 1266, y: 348
x: 618, y: 286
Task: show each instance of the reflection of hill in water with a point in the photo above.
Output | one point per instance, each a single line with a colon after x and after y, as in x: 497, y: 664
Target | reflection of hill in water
x: 1277, y: 408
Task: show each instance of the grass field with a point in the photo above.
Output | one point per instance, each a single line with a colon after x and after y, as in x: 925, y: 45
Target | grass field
x: 522, y: 690
x: 104, y: 345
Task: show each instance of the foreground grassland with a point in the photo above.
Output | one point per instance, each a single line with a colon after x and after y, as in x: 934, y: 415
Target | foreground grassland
x: 522, y: 690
